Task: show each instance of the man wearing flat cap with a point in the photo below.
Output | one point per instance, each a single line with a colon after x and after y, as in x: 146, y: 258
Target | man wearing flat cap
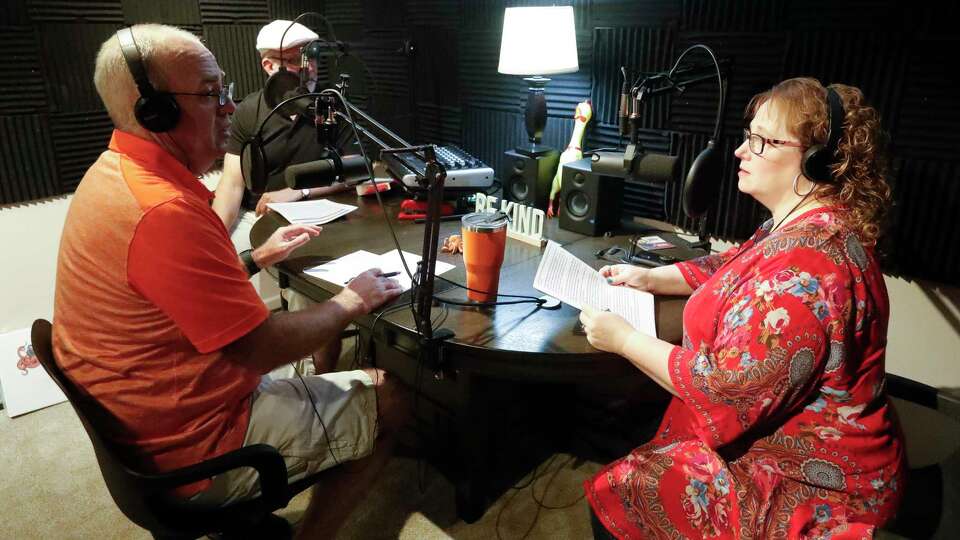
x: 288, y: 140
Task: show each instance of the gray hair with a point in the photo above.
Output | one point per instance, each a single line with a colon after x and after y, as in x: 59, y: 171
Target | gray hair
x: 160, y: 47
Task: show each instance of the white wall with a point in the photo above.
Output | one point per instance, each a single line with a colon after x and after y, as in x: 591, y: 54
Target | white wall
x: 30, y: 236
x: 923, y: 339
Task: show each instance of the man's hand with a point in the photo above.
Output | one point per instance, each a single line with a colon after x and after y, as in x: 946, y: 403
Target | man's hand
x: 367, y: 292
x: 629, y: 275
x: 282, y: 242
x: 605, y: 331
x: 281, y: 195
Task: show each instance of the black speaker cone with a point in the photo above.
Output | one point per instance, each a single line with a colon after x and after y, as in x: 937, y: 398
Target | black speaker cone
x: 578, y: 204
x: 519, y: 190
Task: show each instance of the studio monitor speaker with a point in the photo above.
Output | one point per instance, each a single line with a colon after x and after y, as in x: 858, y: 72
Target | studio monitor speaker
x: 592, y: 202
x: 527, y: 179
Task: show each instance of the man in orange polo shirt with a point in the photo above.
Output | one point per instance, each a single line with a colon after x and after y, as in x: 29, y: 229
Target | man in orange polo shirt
x: 155, y: 316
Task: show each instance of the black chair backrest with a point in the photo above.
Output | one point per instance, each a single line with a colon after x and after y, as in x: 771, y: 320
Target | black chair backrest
x: 128, y: 491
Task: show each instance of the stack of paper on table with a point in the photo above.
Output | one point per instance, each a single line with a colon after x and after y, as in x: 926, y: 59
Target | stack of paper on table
x: 313, y: 212
x: 341, y: 271
x: 570, y: 280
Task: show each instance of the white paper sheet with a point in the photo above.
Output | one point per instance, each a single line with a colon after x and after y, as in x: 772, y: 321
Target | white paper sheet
x: 315, y: 212
x: 341, y: 271
x: 26, y: 385
x: 570, y: 280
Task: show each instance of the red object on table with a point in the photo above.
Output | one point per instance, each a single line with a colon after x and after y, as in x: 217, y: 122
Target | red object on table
x: 414, y: 209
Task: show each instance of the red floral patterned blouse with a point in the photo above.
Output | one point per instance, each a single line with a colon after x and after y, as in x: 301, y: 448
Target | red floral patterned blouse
x: 782, y: 428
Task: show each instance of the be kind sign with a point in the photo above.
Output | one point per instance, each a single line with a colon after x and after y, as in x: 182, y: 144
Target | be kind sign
x: 526, y: 222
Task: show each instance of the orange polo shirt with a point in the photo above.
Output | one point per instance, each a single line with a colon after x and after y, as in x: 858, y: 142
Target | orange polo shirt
x: 149, y: 291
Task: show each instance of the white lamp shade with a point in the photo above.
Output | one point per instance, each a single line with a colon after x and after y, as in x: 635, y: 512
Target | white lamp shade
x: 538, y: 41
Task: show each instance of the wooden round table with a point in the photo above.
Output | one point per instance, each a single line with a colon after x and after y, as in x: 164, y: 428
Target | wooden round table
x: 492, y: 350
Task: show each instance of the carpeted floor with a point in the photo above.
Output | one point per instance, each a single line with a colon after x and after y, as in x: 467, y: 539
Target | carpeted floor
x: 53, y: 489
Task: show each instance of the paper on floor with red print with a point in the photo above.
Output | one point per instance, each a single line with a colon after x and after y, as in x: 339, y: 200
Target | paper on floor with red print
x: 26, y: 385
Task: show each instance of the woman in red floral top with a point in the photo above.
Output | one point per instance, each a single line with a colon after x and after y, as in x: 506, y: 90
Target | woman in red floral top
x: 780, y: 426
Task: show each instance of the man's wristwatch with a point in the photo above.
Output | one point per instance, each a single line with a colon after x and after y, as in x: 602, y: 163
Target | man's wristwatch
x: 246, y: 257
x: 304, y: 194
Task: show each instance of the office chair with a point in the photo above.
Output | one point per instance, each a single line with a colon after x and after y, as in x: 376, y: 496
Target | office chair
x: 145, y: 498
x: 931, y: 489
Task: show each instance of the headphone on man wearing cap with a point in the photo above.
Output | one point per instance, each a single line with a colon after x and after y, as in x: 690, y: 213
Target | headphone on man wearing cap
x: 817, y: 160
x: 156, y: 111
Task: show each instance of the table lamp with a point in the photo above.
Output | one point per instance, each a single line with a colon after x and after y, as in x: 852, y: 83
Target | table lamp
x: 537, y: 41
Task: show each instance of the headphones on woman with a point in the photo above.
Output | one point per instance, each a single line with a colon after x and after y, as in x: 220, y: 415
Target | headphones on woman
x: 817, y: 160
x: 156, y: 111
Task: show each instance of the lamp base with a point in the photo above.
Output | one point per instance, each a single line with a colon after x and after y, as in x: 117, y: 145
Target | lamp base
x: 535, y: 115
x: 535, y: 150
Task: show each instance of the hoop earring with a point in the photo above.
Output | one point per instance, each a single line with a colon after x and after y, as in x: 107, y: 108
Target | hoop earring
x: 796, y: 178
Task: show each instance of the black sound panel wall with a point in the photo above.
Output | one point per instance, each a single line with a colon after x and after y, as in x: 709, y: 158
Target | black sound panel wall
x: 428, y: 70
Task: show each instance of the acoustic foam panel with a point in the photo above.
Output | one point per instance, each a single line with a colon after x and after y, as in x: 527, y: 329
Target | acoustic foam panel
x: 22, y: 88
x: 26, y: 159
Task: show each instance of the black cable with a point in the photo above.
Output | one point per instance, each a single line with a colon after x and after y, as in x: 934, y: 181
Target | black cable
x: 516, y: 490
x: 533, y: 491
x: 326, y: 434
x: 716, y: 65
x: 538, y: 301
x: 526, y: 299
x: 669, y: 77
x: 383, y: 208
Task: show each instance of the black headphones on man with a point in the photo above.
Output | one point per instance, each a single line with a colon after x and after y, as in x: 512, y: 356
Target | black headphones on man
x: 817, y: 160
x: 156, y: 111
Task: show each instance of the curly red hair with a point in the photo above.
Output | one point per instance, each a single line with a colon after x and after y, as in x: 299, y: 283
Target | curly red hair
x: 861, y: 162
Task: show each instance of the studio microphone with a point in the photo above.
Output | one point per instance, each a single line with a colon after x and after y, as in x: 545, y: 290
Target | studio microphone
x: 702, y: 184
x: 645, y: 166
x: 349, y: 169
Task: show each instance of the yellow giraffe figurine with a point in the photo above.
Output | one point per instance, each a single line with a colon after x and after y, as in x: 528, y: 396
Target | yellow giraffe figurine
x: 574, y: 151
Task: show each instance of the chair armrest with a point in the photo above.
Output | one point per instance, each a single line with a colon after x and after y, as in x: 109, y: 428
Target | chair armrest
x: 262, y: 457
x: 924, y: 395
x: 912, y: 391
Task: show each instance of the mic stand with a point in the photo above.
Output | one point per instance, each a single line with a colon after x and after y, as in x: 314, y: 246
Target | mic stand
x: 432, y: 182
x: 666, y: 82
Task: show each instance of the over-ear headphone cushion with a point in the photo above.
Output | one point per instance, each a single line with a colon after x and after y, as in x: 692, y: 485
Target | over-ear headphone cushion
x: 816, y: 161
x: 815, y: 164
x: 158, y: 113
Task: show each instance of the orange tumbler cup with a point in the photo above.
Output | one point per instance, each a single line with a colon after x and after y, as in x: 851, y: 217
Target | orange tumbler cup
x: 484, y: 239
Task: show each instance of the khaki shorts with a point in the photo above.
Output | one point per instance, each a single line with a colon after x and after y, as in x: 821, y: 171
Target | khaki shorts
x: 283, y: 417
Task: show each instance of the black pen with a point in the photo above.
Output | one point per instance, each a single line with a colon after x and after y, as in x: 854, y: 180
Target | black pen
x: 388, y: 274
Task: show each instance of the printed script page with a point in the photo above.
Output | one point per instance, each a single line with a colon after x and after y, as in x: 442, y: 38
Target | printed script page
x: 572, y: 281
x: 341, y: 271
